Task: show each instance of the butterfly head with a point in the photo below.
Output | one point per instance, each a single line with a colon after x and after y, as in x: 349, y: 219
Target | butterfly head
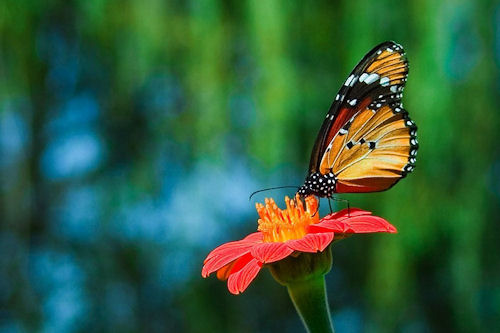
x: 322, y: 185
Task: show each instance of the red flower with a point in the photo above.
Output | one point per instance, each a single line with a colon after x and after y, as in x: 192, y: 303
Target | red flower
x: 283, y: 232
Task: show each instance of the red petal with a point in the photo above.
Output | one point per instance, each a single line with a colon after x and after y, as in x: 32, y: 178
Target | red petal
x: 346, y: 212
x: 354, y: 220
x: 270, y: 252
x: 312, y: 242
x: 366, y: 224
x: 241, y: 262
x: 240, y: 280
x: 226, y: 253
x: 248, y: 240
x: 329, y: 226
x: 254, y: 237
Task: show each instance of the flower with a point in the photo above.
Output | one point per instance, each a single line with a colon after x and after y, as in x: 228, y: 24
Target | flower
x: 282, y: 233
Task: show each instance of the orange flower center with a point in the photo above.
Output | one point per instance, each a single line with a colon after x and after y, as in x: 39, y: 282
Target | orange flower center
x: 280, y: 225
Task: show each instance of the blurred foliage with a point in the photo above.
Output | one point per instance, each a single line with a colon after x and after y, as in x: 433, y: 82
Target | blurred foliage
x: 132, y: 133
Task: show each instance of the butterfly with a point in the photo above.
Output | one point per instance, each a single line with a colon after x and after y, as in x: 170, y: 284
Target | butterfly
x: 367, y: 142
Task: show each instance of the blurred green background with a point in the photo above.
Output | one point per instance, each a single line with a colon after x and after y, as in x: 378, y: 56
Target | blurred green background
x: 132, y: 133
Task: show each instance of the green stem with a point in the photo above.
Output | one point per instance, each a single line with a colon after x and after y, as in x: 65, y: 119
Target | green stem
x: 309, y: 298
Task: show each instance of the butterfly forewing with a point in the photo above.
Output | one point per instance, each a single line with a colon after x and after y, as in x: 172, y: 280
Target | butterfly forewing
x: 367, y: 141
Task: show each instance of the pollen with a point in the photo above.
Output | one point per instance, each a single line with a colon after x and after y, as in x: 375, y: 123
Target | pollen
x: 280, y: 225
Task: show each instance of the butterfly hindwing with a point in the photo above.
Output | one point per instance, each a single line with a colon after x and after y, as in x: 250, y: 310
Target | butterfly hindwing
x: 375, y: 152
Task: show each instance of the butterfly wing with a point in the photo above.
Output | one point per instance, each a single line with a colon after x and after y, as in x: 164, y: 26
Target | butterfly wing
x: 367, y: 139
x: 378, y: 149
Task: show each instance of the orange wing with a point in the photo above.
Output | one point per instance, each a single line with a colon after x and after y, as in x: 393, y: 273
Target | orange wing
x: 375, y: 150
x: 391, y: 65
x: 367, y: 141
x: 377, y: 80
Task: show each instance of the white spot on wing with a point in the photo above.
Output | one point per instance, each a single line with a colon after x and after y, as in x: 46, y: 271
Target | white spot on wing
x: 353, y: 81
x: 349, y: 79
x: 372, y: 78
x: 353, y: 102
x: 384, y: 81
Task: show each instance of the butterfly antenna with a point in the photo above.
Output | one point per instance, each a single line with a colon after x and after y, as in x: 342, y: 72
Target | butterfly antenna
x: 271, y: 188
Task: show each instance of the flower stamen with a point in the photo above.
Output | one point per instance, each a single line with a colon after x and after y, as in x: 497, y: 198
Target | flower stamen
x: 280, y: 225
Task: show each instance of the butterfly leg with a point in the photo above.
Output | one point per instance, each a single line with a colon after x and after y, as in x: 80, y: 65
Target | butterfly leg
x: 343, y: 200
x: 330, y: 204
x: 317, y: 209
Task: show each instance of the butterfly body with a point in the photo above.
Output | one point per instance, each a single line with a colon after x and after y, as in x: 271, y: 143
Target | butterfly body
x: 322, y: 185
x: 367, y: 141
